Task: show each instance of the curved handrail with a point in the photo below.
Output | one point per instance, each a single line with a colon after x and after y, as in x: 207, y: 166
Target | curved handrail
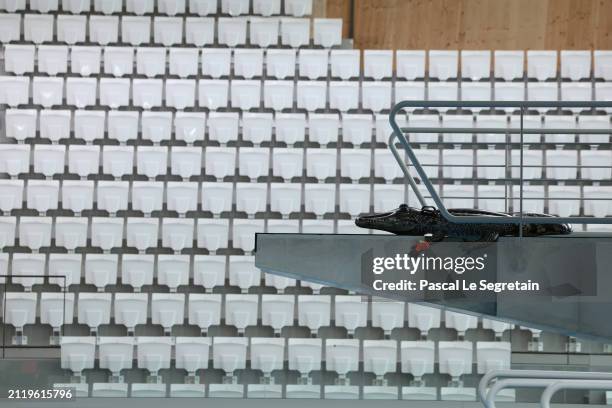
x: 572, y: 385
x: 530, y: 375
x: 398, y: 133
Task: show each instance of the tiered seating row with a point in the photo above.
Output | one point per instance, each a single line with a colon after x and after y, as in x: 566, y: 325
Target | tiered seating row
x: 167, y: 31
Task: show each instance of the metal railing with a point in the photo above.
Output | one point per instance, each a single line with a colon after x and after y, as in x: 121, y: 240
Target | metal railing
x: 399, y: 134
x: 552, y: 381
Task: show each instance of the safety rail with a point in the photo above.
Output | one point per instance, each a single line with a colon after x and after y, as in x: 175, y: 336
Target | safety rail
x: 399, y: 134
x: 496, y: 380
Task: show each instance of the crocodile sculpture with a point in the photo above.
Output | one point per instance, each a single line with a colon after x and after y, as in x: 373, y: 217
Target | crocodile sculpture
x: 429, y: 222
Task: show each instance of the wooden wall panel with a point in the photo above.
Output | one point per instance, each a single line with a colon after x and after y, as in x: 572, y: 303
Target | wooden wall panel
x: 480, y: 24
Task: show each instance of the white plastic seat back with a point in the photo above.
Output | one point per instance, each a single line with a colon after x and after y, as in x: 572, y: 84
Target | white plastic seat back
x: 66, y: 268
x: 107, y: 233
x: 115, y: 92
x: 355, y: 163
x: 35, y: 232
x: 189, y: 126
x: 319, y: 198
x: 213, y: 93
x: 141, y: 233
x: 182, y: 196
x: 229, y: 353
x: 240, y: 310
x: 564, y: 200
x: 88, y: 126
x: 71, y: 29
x: 54, y: 125
x: 376, y: 96
x: 183, y: 61
x: 173, y: 270
x: 417, y: 357
x: 455, y: 357
x: 267, y: 354
x: 257, y: 127
x: 354, y: 198
x: 85, y: 60
x: 541, y: 65
x: 492, y: 355
x: 345, y: 64
x: 509, y: 65
x: 212, y: 234
x: 131, y: 309
x: 20, y: 124
x: 180, y: 93
x: 304, y: 355
x: 77, y: 195
x: 147, y: 196
x: 186, y: 161
x: 285, y: 198
x: 167, y: 309
x: 248, y: 63
x: 217, y: 197
x: 597, y: 201
x: 264, y: 31
x: 93, y: 309
x: 251, y: 198
x: 200, y: 31
x: 475, y: 65
x: 112, y: 196
x: 147, y: 92
x: 7, y: 239
x: 71, y: 232
x: 280, y: 63
x: 377, y: 64
x: 278, y: 95
x: 313, y: 64
x: 387, y: 315
x: 423, y: 318
x: 460, y: 321
x: 191, y: 353
x: 603, y: 64
x: 575, y: 65
x: 311, y: 95
x: 14, y: 90
x: 253, y: 162
x: 341, y: 356
x: 204, y: 310
x: 18, y: 58
x: 137, y: 270
x: 232, y: 31
x: 351, y: 312
x: 295, y: 32
x: 290, y: 127
x: 327, y: 32
x: 323, y: 128
x: 243, y: 273
x: 168, y: 30
x: 77, y: 353
x: 567, y: 160
x: 116, y: 354
x: 277, y: 310
x: 443, y: 64
x: 135, y: 30
x: 153, y: 353
x: 223, y: 126
x: 533, y: 199
x: 118, y: 61
x: 379, y: 356
x: 357, y: 128
x: 11, y: 195
x: 104, y: 29
x: 314, y: 311
x: 287, y: 163
x: 595, y: 158
x: 11, y: 28
x: 101, y: 269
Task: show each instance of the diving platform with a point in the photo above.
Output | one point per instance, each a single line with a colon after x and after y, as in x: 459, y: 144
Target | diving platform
x: 572, y: 272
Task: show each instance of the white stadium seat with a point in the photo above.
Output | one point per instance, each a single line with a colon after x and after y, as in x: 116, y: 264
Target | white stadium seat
x: 377, y: 64
x: 245, y: 94
x: 117, y: 160
x: 217, y: 197
x: 114, y: 92
x: 458, y: 196
x: 118, y: 61
x: 147, y: 196
x: 71, y: 29
x: 491, y: 122
x: 541, y: 65
x: 475, y: 65
x: 350, y: 312
x: 532, y: 162
x: 167, y: 309
x: 103, y: 30
x: 321, y: 163
x: 460, y: 321
x: 354, y: 198
x: 509, y: 65
x: 173, y: 270
x: 287, y: 163
x: 356, y: 128
x: 559, y: 122
x: 186, y: 161
x: 54, y: 125
x: 131, y: 309
x: 94, y: 309
x: 423, y: 318
x: 181, y: 196
x: 20, y: 311
x: 341, y: 356
x: 267, y: 354
x: 20, y: 123
x: 243, y: 273
x: 323, y: 128
x: 257, y: 127
x: 290, y: 127
x: 603, y: 64
x: 443, y: 64
x: 67, y: 268
x: 314, y: 311
x: 311, y: 95
x: 141, y: 233
x: 19, y: 58
x: 278, y: 95
x: 78, y: 353
x: 264, y: 32
x: 319, y: 198
x: 355, y: 163
x: 85, y: 60
x: 147, y: 93
x: 25, y: 267
x: 248, y: 63
x: 564, y: 200
x: 153, y: 354
x: 280, y: 63
x: 191, y: 353
x: 533, y: 199
x: 35, y: 232
x: 200, y: 31
x: 14, y: 159
x: 10, y: 29
x: 575, y: 65
x: 387, y: 315
x: 183, y: 61
x: 492, y: 355
x: 101, y: 270
x: 204, y: 312
x: 462, y: 161
x: 168, y: 30
x: 135, y: 30
x: 455, y: 358
x: 304, y: 355
x: 597, y: 201
x: 343, y: 95
x: 241, y: 311
x: 379, y: 356
x: 232, y: 31
x: 443, y: 91
x: 244, y: 232
x: 567, y: 160
x: 327, y: 32
x: 47, y: 91
x: 77, y: 195
x: 107, y: 233
x: 11, y: 196
x: 285, y: 198
x: 251, y: 198
x: 223, y: 126
x: 81, y: 92
x: 229, y: 353
x: 157, y: 126
x: 457, y: 121
x: 137, y: 270
x: 89, y: 126
x: 492, y: 164
x: 497, y: 326
x: 376, y: 96
x: 277, y: 310
x: 410, y: 64
x: 212, y: 234
x: 344, y: 64
x: 115, y: 354
x: 593, y: 122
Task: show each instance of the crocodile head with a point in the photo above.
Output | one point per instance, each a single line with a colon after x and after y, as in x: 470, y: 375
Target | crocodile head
x: 404, y: 220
